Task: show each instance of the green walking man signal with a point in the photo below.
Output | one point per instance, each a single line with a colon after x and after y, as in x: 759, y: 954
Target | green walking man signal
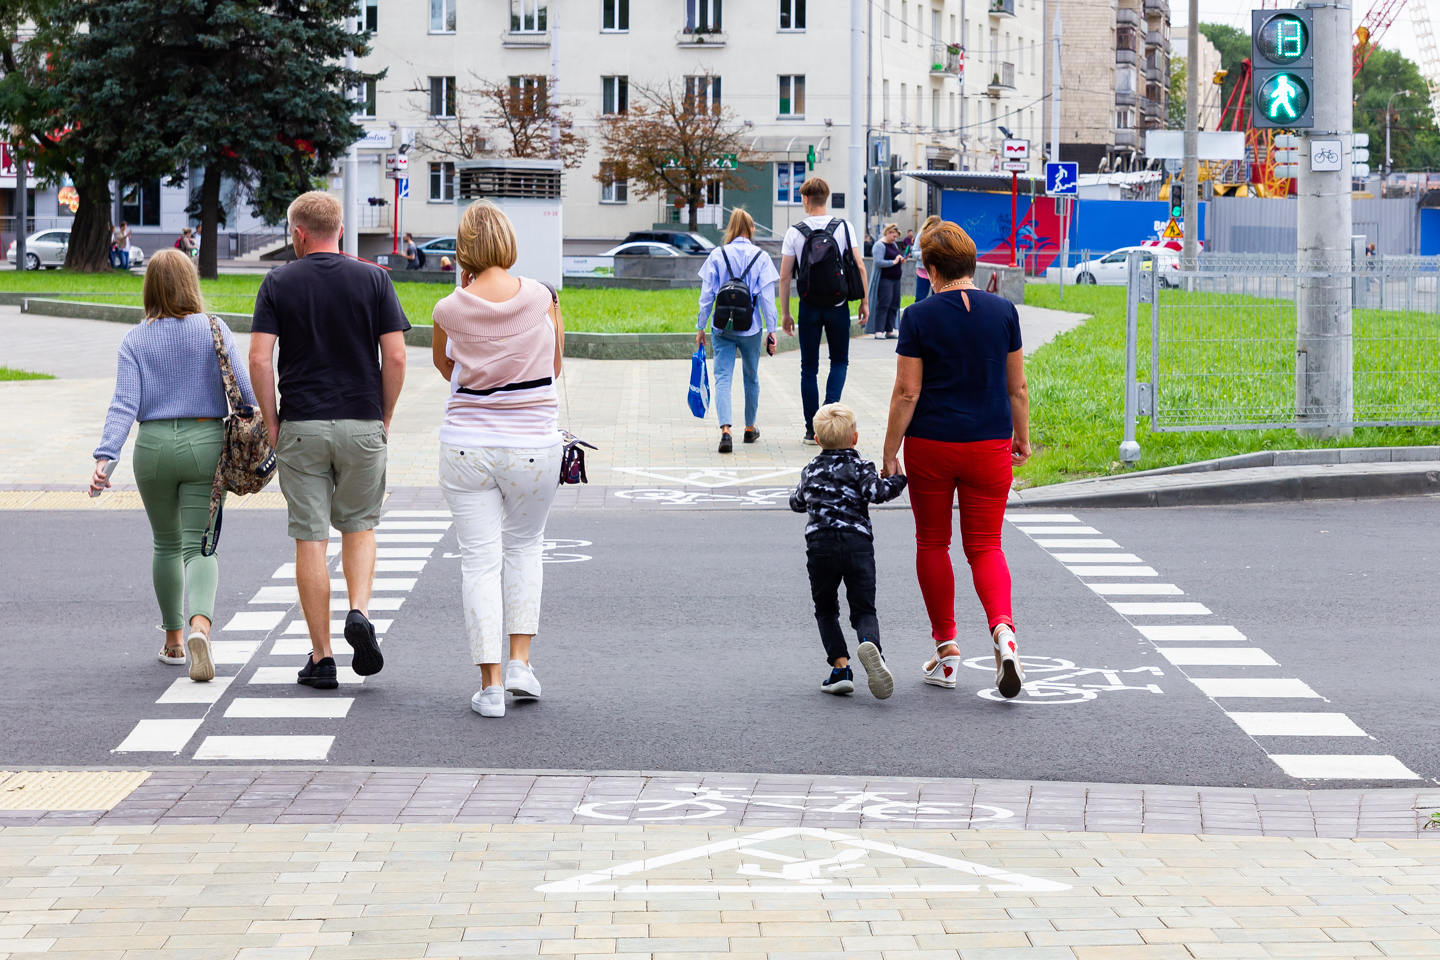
x: 1284, y: 69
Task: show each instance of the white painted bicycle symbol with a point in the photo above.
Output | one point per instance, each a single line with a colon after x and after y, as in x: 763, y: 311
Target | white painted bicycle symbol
x: 763, y: 497
x: 550, y: 556
x: 699, y: 803
x: 1053, y: 680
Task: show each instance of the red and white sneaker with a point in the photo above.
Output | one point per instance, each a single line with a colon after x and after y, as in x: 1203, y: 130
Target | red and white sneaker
x: 1009, y: 677
x: 943, y: 671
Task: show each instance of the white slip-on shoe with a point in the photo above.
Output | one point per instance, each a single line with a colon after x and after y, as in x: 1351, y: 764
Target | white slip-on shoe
x: 520, y: 680
x: 489, y: 702
x: 881, y: 680
x: 942, y: 674
x: 1009, y: 677
x: 202, y: 666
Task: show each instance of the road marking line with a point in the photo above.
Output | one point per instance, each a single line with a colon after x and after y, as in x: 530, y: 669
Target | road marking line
x: 1192, y: 634
x: 1092, y: 544
x: 1022, y: 517
x: 409, y: 537
x: 264, y: 748
x: 1258, y: 688
x: 399, y: 566
x: 262, y: 621
x: 274, y: 675
x: 1217, y: 657
x: 298, y: 627
x: 1054, y: 531
x: 376, y: 603
x: 185, y: 690
x: 329, y: 708
x: 1118, y: 571
x: 387, y: 524
x: 1343, y: 766
x: 288, y: 594
x: 1096, y: 558
x: 1297, y: 724
x: 1136, y: 589
x: 1142, y: 609
x: 159, y: 736
x: 416, y: 514
x: 404, y: 553
x: 233, y: 652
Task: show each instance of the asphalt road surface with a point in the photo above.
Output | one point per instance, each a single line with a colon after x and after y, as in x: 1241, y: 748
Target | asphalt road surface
x: 680, y: 637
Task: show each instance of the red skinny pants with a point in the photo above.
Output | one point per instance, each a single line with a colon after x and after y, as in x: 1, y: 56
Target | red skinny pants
x: 979, y: 474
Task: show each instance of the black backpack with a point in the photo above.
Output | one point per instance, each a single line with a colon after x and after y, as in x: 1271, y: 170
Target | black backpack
x: 734, y: 307
x: 419, y: 257
x: 821, y: 279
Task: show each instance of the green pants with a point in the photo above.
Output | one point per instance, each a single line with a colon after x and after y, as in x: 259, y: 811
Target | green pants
x: 174, y: 466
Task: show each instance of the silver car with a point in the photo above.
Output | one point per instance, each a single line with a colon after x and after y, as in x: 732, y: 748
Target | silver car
x: 47, y: 249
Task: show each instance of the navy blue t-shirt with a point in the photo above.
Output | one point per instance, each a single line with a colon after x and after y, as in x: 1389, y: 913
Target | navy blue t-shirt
x: 964, y: 394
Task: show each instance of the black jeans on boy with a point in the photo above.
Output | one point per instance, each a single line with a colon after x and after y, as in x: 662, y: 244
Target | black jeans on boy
x: 836, y: 556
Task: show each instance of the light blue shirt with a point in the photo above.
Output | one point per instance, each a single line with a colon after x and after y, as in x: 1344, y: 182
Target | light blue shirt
x: 760, y: 281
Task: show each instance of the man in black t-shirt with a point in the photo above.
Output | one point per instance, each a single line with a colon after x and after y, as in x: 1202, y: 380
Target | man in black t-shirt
x: 341, y: 336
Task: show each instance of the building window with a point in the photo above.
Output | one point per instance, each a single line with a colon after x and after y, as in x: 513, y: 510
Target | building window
x: 615, y: 15
x: 527, y: 95
x: 792, y: 14
x: 612, y: 189
x: 789, y: 175
x: 372, y: 15
x: 442, y: 182
x: 139, y: 204
x: 715, y: 193
x: 904, y: 21
x: 528, y: 16
x: 792, y: 95
x: 614, y: 95
x: 702, y: 16
x: 442, y: 16
x: 702, y: 93
x: 884, y: 101
x: 1124, y: 119
x: 887, y: 18
x: 366, y: 104
x: 442, y: 96
x: 904, y: 104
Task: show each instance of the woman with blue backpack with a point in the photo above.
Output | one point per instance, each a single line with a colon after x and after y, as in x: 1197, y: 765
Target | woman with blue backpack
x: 737, y: 295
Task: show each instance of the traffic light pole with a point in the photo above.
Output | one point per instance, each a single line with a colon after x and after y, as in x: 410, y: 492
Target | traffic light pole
x: 1014, y: 212
x: 1190, y: 245
x: 1324, y: 350
x: 859, y: 42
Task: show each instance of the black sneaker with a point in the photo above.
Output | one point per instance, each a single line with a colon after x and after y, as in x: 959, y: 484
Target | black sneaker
x: 810, y: 438
x: 360, y: 634
x: 320, y: 675
x: 840, y: 681
x: 752, y: 434
x: 727, y: 443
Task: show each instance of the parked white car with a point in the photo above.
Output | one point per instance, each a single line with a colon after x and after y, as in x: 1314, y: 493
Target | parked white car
x: 643, y: 248
x: 1111, y: 269
x: 47, y: 249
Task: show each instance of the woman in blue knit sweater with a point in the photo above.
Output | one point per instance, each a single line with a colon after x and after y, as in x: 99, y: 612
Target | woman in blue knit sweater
x: 168, y: 379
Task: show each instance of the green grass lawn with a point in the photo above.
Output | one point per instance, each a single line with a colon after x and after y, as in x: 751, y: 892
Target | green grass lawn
x: 8, y: 373
x: 1077, y: 382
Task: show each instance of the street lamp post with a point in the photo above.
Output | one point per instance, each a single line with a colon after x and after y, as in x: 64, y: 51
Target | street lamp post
x: 1385, y: 180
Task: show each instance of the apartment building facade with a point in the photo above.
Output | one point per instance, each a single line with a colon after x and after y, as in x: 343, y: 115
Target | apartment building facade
x: 944, y: 75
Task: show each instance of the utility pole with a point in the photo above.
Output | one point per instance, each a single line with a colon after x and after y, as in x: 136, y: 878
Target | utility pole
x: 349, y: 198
x: 1055, y: 148
x: 1190, y: 244
x: 554, y: 90
x: 22, y: 191
x: 1385, y: 177
x: 869, y: 114
x: 859, y: 40
x: 1324, y: 351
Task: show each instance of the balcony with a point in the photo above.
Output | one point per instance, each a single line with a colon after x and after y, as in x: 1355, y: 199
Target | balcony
x: 1153, y: 71
x: 1124, y: 55
x: 1002, y: 81
x: 1156, y: 39
x: 1127, y: 17
x: 1156, y: 8
x: 523, y: 39
x: 700, y: 36
x: 1127, y: 138
x: 1002, y: 8
x: 946, y: 60
x: 1155, y: 92
x: 1124, y: 98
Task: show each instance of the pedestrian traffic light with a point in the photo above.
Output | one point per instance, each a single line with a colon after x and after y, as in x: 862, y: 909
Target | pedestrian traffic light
x: 1177, y: 198
x: 895, y: 183
x: 1284, y: 69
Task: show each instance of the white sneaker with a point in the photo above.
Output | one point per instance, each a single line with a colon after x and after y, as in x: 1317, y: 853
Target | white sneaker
x: 489, y: 702
x: 202, y: 665
x: 881, y: 680
x: 942, y: 674
x: 878, y: 336
x: 1009, y: 677
x: 520, y: 680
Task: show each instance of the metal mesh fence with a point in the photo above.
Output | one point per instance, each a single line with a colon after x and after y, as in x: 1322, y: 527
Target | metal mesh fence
x: 1227, y: 350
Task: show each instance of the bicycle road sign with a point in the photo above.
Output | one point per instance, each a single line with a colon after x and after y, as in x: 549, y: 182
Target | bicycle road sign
x: 785, y: 860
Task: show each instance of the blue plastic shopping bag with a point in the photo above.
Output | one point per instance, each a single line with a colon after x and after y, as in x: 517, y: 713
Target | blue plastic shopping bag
x: 699, y: 396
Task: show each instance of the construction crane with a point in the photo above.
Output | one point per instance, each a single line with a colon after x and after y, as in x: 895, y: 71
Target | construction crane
x: 1378, y: 19
x: 1429, y: 55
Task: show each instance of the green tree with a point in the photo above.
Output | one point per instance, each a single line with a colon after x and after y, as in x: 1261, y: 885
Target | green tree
x: 1234, y: 47
x: 1175, y: 108
x: 1414, y: 139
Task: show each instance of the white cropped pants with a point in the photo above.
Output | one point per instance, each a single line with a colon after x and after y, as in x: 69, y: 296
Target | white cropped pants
x: 500, y: 498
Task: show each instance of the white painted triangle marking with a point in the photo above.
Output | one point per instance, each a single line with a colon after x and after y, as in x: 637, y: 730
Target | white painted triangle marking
x: 827, y: 875
x: 710, y: 477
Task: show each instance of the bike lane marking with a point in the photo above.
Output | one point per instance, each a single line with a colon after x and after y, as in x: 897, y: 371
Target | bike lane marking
x: 700, y: 803
x: 1066, y: 532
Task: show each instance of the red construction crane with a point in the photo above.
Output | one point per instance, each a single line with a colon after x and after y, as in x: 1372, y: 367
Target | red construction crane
x: 1377, y: 20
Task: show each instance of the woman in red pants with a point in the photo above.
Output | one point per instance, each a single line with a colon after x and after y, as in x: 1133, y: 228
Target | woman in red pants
x: 961, y: 408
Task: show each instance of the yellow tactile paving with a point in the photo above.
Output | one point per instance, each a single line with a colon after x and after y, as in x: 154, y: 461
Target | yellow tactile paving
x: 67, y: 789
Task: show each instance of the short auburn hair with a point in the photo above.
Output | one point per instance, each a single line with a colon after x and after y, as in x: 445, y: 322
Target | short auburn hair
x: 317, y: 213
x: 947, y: 252
x: 485, y: 239
x: 172, y: 286
x: 815, y: 190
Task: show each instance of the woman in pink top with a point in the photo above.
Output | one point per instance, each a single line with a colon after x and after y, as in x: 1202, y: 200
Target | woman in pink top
x: 498, y: 340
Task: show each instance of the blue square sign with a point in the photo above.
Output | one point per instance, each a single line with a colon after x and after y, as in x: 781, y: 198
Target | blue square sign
x: 1061, y: 179
x: 404, y: 187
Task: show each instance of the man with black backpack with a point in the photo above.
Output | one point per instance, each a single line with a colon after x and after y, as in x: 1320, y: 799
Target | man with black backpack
x: 738, y: 282
x: 822, y: 254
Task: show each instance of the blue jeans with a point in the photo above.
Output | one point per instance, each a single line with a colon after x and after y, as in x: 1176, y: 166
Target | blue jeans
x: 834, y: 323
x: 922, y: 288
x: 120, y: 259
x: 726, y: 346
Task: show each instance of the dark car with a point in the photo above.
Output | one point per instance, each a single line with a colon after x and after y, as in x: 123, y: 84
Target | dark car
x: 681, y: 240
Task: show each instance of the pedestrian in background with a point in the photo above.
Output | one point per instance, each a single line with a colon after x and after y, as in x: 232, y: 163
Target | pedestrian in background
x: 414, y: 256
x: 499, y: 341
x: 922, y: 278
x: 907, y: 245
x: 120, y: 247
x: 738, y: 259
x: 827, y: 315
x: 341, y: 336
x: 885, y: 292
x: 961, y: 408
x: 168, y: 378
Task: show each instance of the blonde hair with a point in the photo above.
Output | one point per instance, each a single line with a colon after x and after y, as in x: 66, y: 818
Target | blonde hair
x: 741, y: 225
x: 888, y: 227
x: 834, y: 426
x: 171, y: 287
x: 815, y: 190
x: 317, y: 213
x: 485, y: 239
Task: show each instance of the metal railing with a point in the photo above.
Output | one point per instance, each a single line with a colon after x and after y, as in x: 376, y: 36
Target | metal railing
x: 1227, y: 350
x: 945, y: 59
x: 251, y: 240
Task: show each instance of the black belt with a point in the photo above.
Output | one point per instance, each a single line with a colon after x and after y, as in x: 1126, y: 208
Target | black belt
x: 522, y: 385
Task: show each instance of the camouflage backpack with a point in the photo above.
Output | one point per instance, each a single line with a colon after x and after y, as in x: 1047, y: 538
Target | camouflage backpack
x: 247, y: 458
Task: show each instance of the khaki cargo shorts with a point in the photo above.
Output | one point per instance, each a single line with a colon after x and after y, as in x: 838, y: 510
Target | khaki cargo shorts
x: 332, y: 473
